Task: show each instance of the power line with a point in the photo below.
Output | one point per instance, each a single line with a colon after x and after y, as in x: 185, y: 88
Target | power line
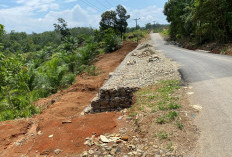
x: 94, y: 5
x: 109, y: 4
x: 102, y: 4
x: 91, y: 5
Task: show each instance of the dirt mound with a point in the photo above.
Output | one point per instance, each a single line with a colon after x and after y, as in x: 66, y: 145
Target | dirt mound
x: 60, y: 129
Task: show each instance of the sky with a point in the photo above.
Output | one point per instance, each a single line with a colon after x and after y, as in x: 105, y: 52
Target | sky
x: 40, y: 15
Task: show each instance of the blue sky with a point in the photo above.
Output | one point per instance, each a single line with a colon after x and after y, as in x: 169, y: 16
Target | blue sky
x: 40, y: 15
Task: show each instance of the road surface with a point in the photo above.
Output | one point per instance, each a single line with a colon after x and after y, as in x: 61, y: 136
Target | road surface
x: 210, y: 75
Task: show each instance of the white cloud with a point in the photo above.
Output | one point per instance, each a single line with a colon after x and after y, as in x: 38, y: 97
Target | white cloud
x: 38, y: 5
x: 40, y: 15
x: 147, y: 15
x: 70, y: 1
x: 25, y: 17
x: 3, y: 5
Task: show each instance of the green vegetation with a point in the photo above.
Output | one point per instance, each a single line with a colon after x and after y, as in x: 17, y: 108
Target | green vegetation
x: 20, y: 42
x: 38, y: 65
x: 158, y: 99
x: 132, y: 36
x: 115, y: 20
x: 179, y: 125
x: 199, y: 21
x: 162, y: 135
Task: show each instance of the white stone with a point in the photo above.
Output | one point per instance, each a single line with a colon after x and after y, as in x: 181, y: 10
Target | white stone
x: 104, y: 139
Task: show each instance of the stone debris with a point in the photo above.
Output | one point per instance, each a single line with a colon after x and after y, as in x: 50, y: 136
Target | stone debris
x: 40, y: 133
x: 133, y: 62
x: 144, y: 45
x: 19, y: 143
x: 133, y: 147
x: 57, y: 151
x: 67, y: 121
x: 104, y: 139
x: 125, y: 138
x: 190, y: 93
x: 153, y: 58
x: 197, y: 107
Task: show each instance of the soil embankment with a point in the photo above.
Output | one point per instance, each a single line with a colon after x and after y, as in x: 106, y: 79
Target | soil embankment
x: 60, y: 129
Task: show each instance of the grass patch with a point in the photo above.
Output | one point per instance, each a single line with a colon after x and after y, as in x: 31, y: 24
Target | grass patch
x: 179, y: 125
x: 162, y: 135
x: 158, y: 98
x: 92, y: 70
x: 157, y: 115
x: 171, y: 116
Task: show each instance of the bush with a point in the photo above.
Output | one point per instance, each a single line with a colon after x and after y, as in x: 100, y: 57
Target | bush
x: 132, y: 36
x: 67, y: 80
x: 112, y: 42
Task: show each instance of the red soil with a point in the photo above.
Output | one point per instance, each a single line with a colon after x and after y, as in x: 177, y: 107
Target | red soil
x: 20, y: 137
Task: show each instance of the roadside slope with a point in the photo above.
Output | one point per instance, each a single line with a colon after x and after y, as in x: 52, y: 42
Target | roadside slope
x: 60, y: 126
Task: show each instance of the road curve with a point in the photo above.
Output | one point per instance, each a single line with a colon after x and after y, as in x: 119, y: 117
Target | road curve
x: 210, y: 75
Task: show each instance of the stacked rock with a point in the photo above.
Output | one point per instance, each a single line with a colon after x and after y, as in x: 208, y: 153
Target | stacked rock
x: 142, y: 67
x: 113, y: 99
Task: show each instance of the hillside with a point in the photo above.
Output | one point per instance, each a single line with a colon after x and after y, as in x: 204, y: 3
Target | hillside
x: 32, y: 135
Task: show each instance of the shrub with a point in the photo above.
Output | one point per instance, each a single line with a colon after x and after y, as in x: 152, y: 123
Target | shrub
x: 67, y: 80
x: 112, y: 42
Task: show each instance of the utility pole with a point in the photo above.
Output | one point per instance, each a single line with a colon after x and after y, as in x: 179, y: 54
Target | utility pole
x: 154, y: 24
x: 136, y: 21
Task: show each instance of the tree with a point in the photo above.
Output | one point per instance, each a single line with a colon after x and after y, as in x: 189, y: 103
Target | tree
x: 148, y: 26
x: 109, y: 20
x: 200, y: 21
x: 121, y: 23
x: 62, y: 28
x: 14, y: 89
x: 179, y: 13
x: 1, y: 35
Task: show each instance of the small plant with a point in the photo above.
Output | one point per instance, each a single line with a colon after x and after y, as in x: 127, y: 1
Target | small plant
x: 162, y: 107
x: 151, y: 97
x: 171, y: 116
x: 133, y: 114
x: 179, y: 125
x: 141, y: 108
x: 173, y: 105
x: 162, y: 135
x: 153, y: 110
x: 170, y: 147
x: 92, y: 70
x: 224, y: 50
x: 161, y: 120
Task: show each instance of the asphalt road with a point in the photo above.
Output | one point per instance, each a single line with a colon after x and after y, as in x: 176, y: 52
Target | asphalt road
x: 210, y: 75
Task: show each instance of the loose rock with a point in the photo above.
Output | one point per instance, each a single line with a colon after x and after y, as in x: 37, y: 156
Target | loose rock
x: 104, y: 139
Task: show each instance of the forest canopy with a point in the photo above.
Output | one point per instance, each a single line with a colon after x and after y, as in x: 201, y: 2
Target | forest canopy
x: 200, y: 20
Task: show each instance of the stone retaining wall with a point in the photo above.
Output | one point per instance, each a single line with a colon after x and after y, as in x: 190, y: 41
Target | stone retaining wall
x: 142, y: 67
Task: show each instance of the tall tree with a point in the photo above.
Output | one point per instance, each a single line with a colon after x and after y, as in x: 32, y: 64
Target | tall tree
x: 62, y: 28
x: 178, y: 13
x: 1, y: 35
x: 108, y: 20
x: 122, y: 19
